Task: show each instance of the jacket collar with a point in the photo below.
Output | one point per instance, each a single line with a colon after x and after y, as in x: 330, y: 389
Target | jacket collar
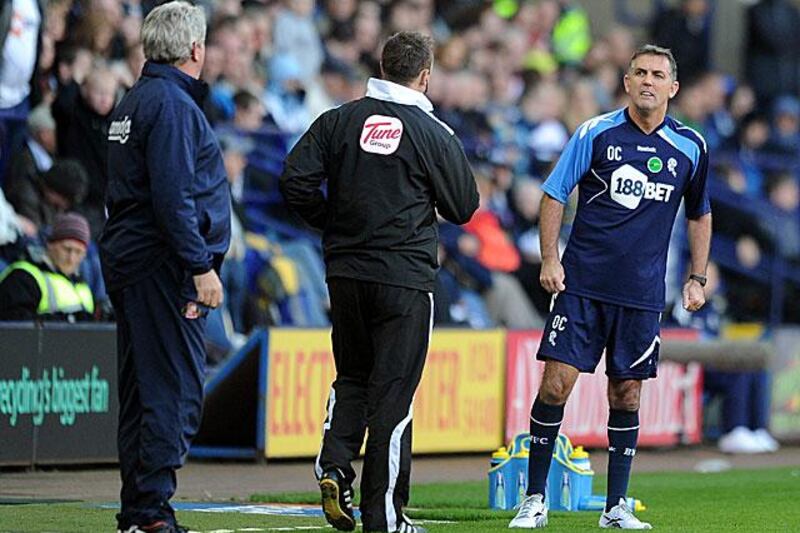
x: 46, y: 265
x: 399, y: 94
x: 195, y: 88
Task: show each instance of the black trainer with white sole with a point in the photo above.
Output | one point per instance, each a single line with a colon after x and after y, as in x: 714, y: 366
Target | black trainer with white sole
x: 337, y: 501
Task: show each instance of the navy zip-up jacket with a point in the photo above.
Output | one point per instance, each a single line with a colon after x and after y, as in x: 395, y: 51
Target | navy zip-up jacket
x: 168, y: 196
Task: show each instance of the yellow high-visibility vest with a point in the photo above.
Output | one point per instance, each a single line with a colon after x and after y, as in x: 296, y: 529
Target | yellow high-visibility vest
x: 59, y: 293
x: 572, y: 36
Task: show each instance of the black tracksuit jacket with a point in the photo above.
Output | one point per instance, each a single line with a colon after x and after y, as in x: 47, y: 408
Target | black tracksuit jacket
x: 390, y: 165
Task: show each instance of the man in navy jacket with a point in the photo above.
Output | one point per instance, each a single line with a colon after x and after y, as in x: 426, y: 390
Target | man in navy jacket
x: 168, y: 229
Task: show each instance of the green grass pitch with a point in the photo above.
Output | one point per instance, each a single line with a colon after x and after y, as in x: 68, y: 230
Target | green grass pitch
x: 743, y: 500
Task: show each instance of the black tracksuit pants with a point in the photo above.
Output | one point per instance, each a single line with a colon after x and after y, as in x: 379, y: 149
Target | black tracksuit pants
x: 161, y: 358
x: 380, y: 340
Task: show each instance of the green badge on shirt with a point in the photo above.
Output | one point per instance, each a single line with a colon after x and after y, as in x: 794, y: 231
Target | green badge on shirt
x: 654, y: 165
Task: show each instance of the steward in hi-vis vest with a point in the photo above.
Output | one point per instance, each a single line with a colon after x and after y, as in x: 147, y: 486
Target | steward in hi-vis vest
x: 51, y: 289
x: 50, y: 296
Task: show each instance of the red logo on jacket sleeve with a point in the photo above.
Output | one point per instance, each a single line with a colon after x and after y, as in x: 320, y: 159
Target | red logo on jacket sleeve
x: 381, y: 134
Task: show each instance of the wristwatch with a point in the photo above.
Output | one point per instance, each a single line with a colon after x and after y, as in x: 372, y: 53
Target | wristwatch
x: 699, y: 278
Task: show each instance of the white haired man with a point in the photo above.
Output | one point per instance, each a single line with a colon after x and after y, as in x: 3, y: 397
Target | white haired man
x: 161, y: 250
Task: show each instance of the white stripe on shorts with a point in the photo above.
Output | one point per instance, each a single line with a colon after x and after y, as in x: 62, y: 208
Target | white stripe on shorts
x: 648, y: 351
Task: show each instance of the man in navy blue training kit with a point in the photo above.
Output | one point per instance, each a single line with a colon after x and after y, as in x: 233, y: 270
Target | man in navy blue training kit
x: 161, y: 249
x: 390, y: 165
x: 632, y: 168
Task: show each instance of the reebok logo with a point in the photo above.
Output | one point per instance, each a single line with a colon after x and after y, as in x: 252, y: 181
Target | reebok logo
x: 120, y: 130
x: 381, y: 135
x: 650, y: 149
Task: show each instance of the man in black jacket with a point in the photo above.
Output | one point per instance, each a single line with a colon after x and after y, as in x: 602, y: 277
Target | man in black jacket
x: 390, y: 165
x: 83, y: 114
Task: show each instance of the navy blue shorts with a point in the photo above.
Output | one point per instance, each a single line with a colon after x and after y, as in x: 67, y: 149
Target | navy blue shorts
x: 579, y: 329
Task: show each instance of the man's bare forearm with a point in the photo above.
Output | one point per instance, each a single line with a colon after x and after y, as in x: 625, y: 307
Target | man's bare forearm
x: 551, y: 213
x: 699, y: 233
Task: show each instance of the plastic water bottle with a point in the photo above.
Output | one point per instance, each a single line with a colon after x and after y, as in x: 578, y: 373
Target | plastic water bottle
x: 499, y: 456
x: 597, y: 502
x: 519, y: 470
x: 580, y: 458
x: 565, y: 492
x: 498, y: 465
x: 522, y: 485
x: 500, y: 491
x: 581, y: 476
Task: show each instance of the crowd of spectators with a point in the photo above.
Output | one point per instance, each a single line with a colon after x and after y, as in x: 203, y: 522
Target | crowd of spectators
x: 513, y: 79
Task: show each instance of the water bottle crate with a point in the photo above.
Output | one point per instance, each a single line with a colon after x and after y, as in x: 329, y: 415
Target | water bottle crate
x: 569, y: 482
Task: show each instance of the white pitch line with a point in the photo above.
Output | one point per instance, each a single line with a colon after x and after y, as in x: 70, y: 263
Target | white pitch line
x: 309, y: 528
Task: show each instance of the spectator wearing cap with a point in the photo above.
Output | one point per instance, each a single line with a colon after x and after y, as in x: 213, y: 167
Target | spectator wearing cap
x: 339, y: 83
x: 338, y: 79
x: 785, y: 137
x: 753, y: 136
x: 51, y: 288
x: 40, y: 198
x: 783, y: 193
x: 285, y: 97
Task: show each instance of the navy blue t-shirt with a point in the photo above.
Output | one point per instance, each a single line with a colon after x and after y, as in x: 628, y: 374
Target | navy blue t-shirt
x: 630, y: 186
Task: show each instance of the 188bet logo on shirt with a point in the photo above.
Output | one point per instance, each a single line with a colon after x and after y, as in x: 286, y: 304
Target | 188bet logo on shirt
x: 381, y: 134
x: 629, y: 186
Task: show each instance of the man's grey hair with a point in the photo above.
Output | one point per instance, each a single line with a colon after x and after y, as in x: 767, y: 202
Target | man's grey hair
x: 653, y: 50
x: 169, y: 31
x: 41, y: 119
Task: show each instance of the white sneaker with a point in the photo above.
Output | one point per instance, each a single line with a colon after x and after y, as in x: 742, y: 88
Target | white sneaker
x: 620, y: 517
x: 767, y: 441
x: 740, y: 440
x: 532, y: 513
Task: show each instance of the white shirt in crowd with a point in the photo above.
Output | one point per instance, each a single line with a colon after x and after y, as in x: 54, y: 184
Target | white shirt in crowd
x: 19, y: 53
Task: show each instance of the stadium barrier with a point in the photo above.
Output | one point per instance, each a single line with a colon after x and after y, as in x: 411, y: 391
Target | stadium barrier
x: 58, y: 402
x: 475, y: 393
x: 671, y: 406
x: 458, y: 408
x: 58, y: 394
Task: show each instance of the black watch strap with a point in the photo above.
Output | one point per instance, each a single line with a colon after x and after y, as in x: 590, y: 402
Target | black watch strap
x: 699, y: 278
